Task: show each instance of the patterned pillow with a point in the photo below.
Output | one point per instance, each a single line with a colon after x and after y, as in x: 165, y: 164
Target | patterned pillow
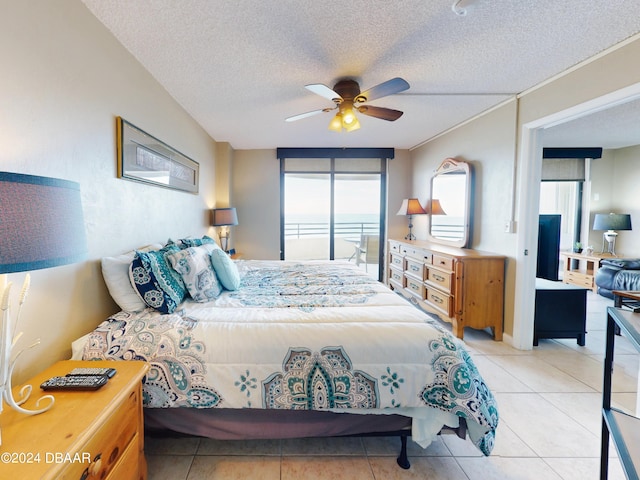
x: 226, y: 270
x: 192, y: 242
x: 158, y: 285
x: 194, y: 266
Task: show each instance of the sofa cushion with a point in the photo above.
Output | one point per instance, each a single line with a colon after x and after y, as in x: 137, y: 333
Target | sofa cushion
x: 622, y: 263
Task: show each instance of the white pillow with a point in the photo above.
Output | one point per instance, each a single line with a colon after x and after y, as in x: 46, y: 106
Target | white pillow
x: 115, y: 271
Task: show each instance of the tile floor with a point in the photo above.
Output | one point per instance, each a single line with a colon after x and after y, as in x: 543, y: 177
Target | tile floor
x: 549, y: 401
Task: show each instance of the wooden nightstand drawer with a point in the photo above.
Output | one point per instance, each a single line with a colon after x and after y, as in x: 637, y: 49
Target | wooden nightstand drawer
x: 127, y: 466
x: 109, y: 443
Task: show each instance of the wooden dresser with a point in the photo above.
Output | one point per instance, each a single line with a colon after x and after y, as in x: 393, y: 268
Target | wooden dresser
x: 462, y: 286
x: 86, y: 435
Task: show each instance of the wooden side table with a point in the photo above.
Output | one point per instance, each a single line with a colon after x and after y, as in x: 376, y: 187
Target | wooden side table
x: 585, y: 273
x: 85, y: 435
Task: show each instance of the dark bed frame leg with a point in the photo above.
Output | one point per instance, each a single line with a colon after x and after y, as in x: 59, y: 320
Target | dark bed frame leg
x: 403, y: 459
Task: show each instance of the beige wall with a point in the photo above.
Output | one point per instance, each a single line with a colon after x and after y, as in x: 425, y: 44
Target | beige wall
x: 64, y: 80
x: 614, y: 188
x: 626, y: 179
x: 488, y: 144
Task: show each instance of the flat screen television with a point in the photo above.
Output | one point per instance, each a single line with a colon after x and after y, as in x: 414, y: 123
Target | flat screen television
x: 548, y: 247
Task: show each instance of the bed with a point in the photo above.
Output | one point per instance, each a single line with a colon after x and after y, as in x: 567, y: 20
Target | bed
x: 290, y: 350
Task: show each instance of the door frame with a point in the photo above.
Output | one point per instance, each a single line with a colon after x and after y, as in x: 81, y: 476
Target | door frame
x: 528, y: 184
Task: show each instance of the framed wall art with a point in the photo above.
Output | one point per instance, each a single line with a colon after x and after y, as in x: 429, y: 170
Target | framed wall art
x: 144, y: 158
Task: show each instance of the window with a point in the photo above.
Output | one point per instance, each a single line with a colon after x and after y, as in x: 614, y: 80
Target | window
x: 333, y: 207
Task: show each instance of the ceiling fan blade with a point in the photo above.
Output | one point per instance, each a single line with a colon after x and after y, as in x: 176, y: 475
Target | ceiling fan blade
x: 389, y: 87
x: 380, y: 112
x: 323, y: 91
x: 305, y: 115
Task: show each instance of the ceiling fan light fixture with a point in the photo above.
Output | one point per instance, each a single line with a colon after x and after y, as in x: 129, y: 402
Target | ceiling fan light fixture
x: 336, y: 123
x: 353, y: 125
x: 348, y: 116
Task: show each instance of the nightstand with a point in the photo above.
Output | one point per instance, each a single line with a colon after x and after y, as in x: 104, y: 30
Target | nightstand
x: 86, y: 434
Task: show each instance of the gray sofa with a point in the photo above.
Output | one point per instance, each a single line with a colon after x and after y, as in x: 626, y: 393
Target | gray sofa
x: 618, y: 274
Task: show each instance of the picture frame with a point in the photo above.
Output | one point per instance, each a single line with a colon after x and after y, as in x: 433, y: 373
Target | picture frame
x: 143, y: 158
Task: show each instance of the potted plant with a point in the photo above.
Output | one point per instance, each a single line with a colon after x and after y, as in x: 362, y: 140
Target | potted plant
x: 577, y: 247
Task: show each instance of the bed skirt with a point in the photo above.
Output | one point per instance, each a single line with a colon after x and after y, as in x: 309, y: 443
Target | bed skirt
x: 256, y: 424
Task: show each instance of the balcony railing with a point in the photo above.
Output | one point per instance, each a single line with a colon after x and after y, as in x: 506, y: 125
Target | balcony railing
x: 352, y: 230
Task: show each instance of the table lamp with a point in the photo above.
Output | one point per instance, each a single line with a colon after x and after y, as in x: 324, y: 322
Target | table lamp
x: 410, y: 207
x: 611, y: 222
x: 41, y: 226
x: 224, y: 218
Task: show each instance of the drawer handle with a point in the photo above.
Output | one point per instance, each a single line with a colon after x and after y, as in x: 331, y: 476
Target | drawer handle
x: 442, y: 262
x: 436, y: 299
x: 414, y: 286
x: 114, y: 455
x: 415, y: 268
x: 439, y: 278
x: 95, y: 466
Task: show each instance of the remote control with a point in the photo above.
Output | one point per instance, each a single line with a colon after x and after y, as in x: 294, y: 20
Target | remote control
x: 109, y: 372
x: 76, y: 382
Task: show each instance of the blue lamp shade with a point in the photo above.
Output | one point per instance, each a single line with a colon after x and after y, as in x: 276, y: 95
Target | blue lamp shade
x: 612, y: 221
x: 41, y: 223
x: 224, y: 217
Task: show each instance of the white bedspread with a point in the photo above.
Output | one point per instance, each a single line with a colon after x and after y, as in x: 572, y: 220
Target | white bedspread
x: 312, y: 335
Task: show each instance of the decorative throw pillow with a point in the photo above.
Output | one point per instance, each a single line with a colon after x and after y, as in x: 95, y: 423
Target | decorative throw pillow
x: 115, y: 271
x: 192, y: 242
x: 158, y: 285
x: 226, y: 270
x: 195, y: 268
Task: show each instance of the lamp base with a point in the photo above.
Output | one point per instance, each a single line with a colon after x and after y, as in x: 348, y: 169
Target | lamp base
x: 410, y: 236
x: 609, y: 238
x: 7, y: 343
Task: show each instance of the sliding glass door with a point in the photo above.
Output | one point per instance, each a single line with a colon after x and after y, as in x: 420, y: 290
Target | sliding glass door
x: 333, y: 209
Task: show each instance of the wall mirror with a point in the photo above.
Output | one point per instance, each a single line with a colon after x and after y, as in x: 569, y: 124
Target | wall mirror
x: 449, y: 206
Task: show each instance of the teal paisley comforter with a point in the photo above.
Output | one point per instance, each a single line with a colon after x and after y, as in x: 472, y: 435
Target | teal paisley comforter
x: 312, y: 335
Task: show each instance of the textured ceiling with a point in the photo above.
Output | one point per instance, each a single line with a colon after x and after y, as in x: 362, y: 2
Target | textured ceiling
x: 239, y: 68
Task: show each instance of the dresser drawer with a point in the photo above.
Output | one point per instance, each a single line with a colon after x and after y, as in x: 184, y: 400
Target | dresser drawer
x: 394, y: 247
x: 443, y: 262
x: 397, y: 261
x: 109, y: 443
x: 439, y: 300
x: 420, y: 254
x: 440, y: 278
x: 415, y: 287
x: 396, y: 277
x: 415, y: 268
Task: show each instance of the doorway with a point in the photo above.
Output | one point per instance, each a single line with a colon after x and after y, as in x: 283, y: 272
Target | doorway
x: 528, y: 184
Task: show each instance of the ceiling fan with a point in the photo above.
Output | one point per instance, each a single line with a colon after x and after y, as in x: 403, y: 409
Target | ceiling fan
x: 347, y: 97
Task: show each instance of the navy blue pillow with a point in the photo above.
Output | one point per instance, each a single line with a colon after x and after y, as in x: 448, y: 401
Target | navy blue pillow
x: 159, y: 285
